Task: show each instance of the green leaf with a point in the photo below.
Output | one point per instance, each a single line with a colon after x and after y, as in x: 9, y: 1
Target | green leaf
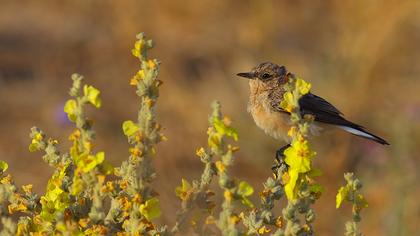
x: 361, y: 201
x: 70, y: 109
x: 3, y: 166
x: 314, y: 173
x: 106, y: 168
x: 92, y: 95
x: 33, y: 147
x: 316, y: 188
x: 130, y: 128
x: 150, y: 209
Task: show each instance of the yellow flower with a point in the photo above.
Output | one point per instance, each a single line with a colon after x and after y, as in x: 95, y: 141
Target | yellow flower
x: 290, y: 187
x: 138, y: 47
x: 92, y: 95
x: 228, y: 195
x: 234, y: 219
x: 84, y: 222
x: 3, y: 166
x: 137, y: 198
x: 36, y: 142
x: 151, y: 64
x: 88, y: 146
x: 96, y: 230
x: 341, y: 196
x: 200, y: 152
x: 150, y: 209
x: 123, y: 184
x: 130, y: 128
x: 17, y: 207
x: 222, y: 128
x: 183, y: 191
x: 135, y: 151
x: 124, y: 203
x: 75, y: 135
x: 302, y: 86
x: 109, y: 187
x: 137, y: 77
x: 134, y: 81
x: 70, y: 109
x: 6, y: 179
x: 27, y: 188
x: 288, y: 102
x: 149, y: 102
x: 245, y: 190
x: 279, y: 222
x: 220, y: 166
x: 91, y: 161
x: 263, y: 230
x: 298, y: 155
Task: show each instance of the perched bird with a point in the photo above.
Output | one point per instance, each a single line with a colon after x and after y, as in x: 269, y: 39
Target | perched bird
x: 267, y: 82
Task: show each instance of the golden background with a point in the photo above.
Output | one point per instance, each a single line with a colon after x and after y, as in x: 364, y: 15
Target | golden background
x: 363, y: 56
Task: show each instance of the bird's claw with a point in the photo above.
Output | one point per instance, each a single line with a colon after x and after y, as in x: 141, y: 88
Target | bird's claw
x: 279, y: 161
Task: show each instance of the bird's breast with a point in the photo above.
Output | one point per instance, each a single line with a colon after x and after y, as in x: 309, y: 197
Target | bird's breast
x: 274, y: 123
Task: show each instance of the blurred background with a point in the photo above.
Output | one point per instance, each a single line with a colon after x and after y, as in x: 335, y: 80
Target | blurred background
x: 361, y: 55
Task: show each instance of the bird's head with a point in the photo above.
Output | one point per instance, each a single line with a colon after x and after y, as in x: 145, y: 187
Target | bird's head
x: 267, y: 72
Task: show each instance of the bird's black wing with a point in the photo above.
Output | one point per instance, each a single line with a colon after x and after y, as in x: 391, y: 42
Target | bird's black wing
x: 325, y: 112
x: 322, y: 110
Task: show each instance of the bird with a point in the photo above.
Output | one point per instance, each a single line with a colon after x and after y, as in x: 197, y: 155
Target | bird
x: 267, y: 85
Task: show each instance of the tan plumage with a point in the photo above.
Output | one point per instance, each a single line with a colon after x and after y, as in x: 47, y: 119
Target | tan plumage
x: 267, y: 82
x: 266, y: 116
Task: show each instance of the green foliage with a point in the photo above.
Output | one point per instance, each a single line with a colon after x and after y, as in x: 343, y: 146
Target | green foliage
x: 87, y: 196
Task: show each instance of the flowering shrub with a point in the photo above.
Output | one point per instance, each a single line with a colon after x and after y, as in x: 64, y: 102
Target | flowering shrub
x: 87, y: 196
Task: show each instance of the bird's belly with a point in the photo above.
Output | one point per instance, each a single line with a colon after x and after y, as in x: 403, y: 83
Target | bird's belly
x: 276, y: 124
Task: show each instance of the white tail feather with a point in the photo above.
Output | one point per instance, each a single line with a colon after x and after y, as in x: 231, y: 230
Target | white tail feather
x: 357, y: 132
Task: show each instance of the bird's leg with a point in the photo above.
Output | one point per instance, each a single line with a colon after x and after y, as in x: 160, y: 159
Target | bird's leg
x: 279, y: 159
x: 280, y: 154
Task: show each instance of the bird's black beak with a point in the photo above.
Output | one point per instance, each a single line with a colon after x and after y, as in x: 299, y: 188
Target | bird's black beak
x: 248, y: 75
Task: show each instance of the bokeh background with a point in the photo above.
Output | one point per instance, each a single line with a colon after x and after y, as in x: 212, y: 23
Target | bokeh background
x: 361, y: 55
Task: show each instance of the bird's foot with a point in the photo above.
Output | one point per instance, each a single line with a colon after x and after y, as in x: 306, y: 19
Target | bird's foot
x: 279, y: 161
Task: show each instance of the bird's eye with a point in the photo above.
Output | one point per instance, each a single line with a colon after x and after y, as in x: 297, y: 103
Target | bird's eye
x: 266, y: 76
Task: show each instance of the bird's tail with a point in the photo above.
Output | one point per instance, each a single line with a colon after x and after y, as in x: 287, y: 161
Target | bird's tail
x: 361, y: 132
